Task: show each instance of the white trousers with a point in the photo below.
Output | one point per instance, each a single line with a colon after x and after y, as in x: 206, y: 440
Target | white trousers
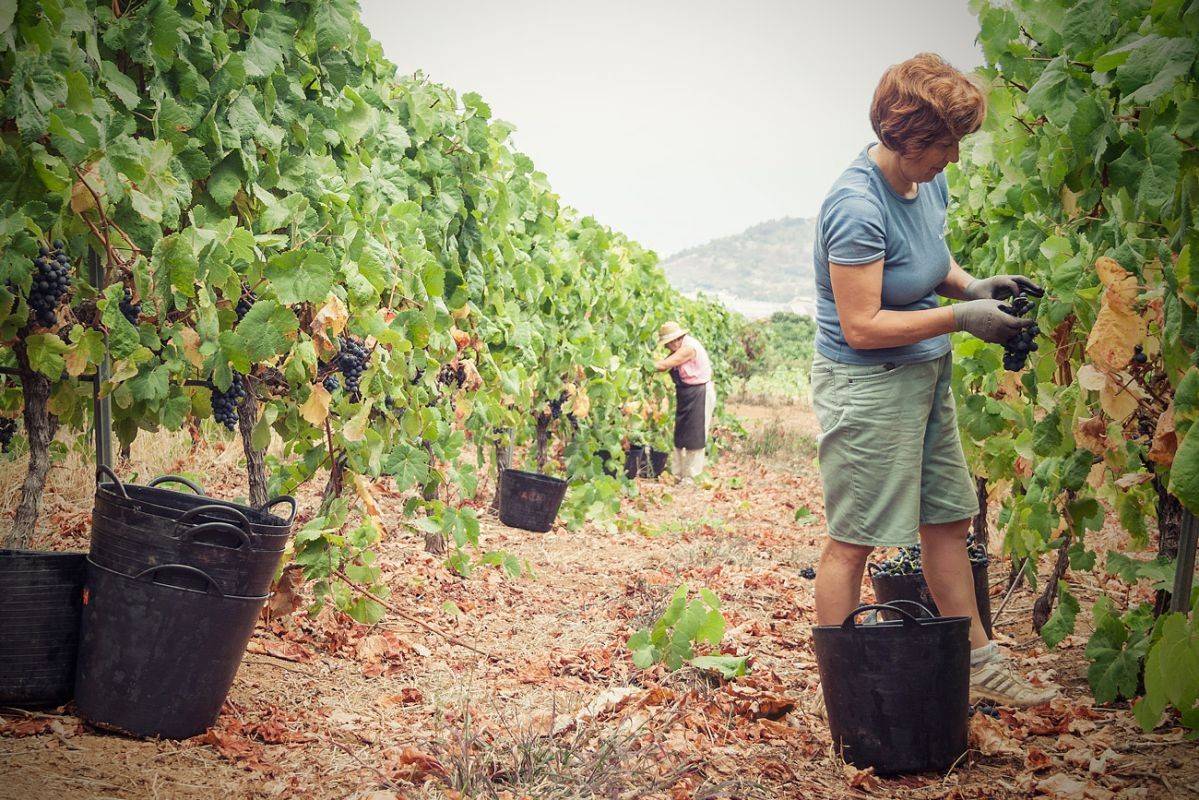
x: 690, y: 463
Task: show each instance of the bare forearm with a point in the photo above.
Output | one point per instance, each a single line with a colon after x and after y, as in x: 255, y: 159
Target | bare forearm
x: 898, y: 328
x: 955, y: 283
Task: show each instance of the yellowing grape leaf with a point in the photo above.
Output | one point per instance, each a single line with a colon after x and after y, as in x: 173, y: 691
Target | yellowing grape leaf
x: 189, y: 341
x: 1090, y: 378
x: 580, y: 405
x: 328, y: 322
x: 1091, y: 433
x: 1165, y: 440
x: 82, y: 198
x: 363, y: 490
x: 461, y: 338
x: 355, y: 429
x: 316, y: 408
x: 1120, y: 286
x: 1116, y: 399
x: 1113, y: 337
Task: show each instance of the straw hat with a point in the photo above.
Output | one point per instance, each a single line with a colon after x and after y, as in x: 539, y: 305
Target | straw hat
x: 669, y: 332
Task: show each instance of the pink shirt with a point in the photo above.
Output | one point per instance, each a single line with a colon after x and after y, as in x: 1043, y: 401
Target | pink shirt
x: 698, y: 369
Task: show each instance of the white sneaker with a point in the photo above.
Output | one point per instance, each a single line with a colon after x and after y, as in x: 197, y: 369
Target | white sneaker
x: 996, y: 681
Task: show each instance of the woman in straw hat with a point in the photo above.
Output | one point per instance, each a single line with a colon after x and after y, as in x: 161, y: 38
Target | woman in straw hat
x: 890, y: 454
x: 691, y: 370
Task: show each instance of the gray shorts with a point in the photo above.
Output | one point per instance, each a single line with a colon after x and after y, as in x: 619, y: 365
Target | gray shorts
x: 890, y: 454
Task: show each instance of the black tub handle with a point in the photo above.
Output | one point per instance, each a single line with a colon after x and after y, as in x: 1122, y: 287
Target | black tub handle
x: 215, y: 508
x: 850, y: 621
x: 190, y: 534
x: 104, y: 469
x: 283, y: 498
x: 918, y: 606
x: 213, y: 586
x: 872, y: 568
x: 177, y: 479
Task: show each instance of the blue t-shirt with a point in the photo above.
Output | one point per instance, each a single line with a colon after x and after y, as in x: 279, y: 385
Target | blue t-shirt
x: 863, y: 219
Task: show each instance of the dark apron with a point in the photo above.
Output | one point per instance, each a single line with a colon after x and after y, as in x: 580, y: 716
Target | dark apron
x: 689, y: 431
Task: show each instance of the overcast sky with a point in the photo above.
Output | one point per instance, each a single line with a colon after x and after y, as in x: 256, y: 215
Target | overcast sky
x: 677, y: 121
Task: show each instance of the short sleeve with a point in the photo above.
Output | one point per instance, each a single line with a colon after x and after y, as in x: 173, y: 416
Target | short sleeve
x: 854, y: 231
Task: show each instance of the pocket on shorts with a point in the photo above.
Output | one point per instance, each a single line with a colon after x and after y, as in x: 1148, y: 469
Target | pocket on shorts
x: 877, y: 393
x: 828, y: 406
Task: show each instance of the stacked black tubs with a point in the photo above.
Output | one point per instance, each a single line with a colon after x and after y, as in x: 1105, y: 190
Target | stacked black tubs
x: 40, y: 597
x: 175, y: 582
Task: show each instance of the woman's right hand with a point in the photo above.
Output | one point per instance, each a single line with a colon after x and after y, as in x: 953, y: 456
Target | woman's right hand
x: 986, y: 320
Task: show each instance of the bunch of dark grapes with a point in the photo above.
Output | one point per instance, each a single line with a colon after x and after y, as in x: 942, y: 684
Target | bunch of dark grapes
x: 1138, y: 355
x: 7, y: 428
x: 331, y: 384
x: 1016, y: 349
x: 556, y: 408
x: 420, y: 373
x: 130, y: 309
x: 352, y: 362
x: 907, y: 560
x: 245, y: 303
x: 224, y: 404
x: 51, y: 280
x: 452, y: 374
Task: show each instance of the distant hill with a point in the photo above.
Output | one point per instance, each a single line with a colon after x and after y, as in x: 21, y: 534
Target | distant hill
x: 763, y: 269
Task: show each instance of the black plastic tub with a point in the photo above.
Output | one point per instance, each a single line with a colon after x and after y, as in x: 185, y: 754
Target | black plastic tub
x: 40, y: 598
x: 530, y: 500
x: 897, y: 693
x: 644, y: 462
x: 157, y: 658
x: 137, y: 541
x: 267, y: 531
x: 915, y: 588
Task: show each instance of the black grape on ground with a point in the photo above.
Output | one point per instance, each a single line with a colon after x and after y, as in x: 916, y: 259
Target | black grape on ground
x: 8, y: 427
x: 51, y: 280
x: 224, y: 404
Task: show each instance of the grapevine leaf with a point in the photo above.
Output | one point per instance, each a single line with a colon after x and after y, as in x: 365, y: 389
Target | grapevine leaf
x: 728, y: 667
x: 300, y: 276
x: 1153, y: 66
x: 1061, y: 622
x: 267, y: 329
x: 45, y: 352
x: 120, y: 84
x: 123, y: 340
x: 8, y: 10
x: 1184, y: 474
x: 1056, y: 92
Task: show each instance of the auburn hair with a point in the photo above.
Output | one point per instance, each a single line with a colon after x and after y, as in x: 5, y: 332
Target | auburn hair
x: 924, y: 99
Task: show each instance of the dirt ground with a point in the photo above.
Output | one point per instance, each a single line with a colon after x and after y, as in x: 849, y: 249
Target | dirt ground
x: 326, y: 708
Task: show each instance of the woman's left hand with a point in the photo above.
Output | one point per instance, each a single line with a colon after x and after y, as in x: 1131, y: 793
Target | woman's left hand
x: 1000, y: 287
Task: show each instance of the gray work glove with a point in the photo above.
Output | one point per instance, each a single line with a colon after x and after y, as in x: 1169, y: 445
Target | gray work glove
x: 984, y: 319
x: 1000, y: 287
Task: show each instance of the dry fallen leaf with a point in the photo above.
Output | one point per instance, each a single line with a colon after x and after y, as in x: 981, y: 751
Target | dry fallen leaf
x: 1062, y: 787
x: 992, y: 737
x: 863, y: 779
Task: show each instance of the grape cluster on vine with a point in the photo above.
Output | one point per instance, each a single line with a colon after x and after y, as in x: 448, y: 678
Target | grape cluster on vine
x: 8, y: 427
x: 225, y: 403
x: 1016, y: 349
x: 245, y: 303
x: 907, y: 560
x: 331, y: 384
x: 352, y: 362
x: 51, y: 280
x: 452, y: 374
x: 132, y: 311
x: 1138, y: 355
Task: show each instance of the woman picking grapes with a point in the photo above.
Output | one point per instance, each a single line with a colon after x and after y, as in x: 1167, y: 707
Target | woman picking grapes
x: 890, y: 456
x: 695, y: 398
